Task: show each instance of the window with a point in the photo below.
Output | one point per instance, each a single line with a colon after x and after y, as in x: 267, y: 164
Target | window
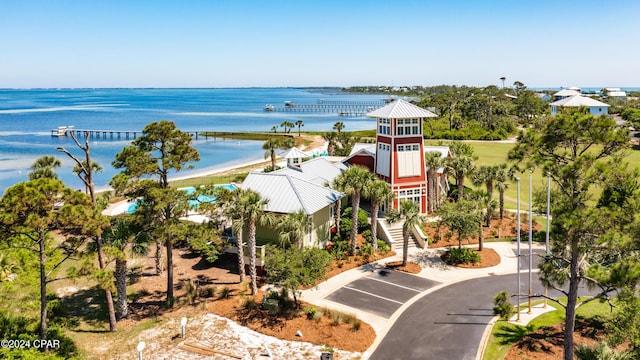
x: 400, y: 130
x: 415, y: 147
x: 400, y: 122
x: 414, y: 130
x: 414, y: 121
x: 400, y: 147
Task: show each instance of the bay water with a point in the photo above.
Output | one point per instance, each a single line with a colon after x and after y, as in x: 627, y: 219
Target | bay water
x: 27, y: 117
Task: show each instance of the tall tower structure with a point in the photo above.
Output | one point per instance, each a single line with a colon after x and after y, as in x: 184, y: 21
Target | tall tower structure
x: 399, y: 151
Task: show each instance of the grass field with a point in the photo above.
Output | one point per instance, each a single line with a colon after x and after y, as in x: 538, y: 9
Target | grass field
x: 505, y: 334
x: 490, y: 153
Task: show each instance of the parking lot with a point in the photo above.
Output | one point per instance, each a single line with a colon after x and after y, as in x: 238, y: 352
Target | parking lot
x: 381, y: 292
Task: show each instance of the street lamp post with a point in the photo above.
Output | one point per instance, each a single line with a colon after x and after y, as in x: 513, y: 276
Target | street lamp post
x: 530, y: 236
x: 183, y: 324
x: 518, y: 252
x: 140, y: 347
x: 546, y: 238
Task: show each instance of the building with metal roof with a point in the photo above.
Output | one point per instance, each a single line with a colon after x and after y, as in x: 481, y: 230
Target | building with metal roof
x: 288, y: 194
x: 595, y: 107
x: 318, y: 170
x: 401, y: 109
x: 565, y: 93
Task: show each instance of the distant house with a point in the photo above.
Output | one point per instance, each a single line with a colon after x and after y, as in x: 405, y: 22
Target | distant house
x: 289, y: 194
x: 595, y: 107
x: 543, y: 97
x: 615, y: 93
x: 567, y: 93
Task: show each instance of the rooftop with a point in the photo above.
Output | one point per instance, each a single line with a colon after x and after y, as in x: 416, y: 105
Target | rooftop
x: 579, y: 100
x: 401, y: 109
x: 288, y: 194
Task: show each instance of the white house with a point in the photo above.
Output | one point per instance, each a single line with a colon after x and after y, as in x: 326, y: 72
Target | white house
x: 567, y: 93
x: 595, y: 107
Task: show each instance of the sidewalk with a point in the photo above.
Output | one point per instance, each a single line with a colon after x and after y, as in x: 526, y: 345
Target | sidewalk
x: 433, y: 268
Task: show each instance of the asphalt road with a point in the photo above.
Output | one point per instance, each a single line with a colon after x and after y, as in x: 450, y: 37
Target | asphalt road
x: 448, y: 323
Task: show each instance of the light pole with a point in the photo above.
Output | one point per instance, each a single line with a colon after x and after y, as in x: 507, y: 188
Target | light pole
x: 140, y: 347
x: 183, y: 324
x: 503, y: 79
x: 518, y: 242
x: 530, y: 235
x: 546, y: 238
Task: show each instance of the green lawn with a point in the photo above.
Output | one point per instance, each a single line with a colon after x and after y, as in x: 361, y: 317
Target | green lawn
x: 490, y: 153
x: 505, y: 334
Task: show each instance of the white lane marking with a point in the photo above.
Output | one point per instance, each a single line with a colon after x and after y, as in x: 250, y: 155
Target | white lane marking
x: 368, y: 293
x: 390, y: 283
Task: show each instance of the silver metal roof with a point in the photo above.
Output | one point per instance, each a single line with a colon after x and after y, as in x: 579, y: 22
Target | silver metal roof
x: 579, y: 100
x: 288, y: 194
x: 318, y: 170
x: 567, y: 92
x: 292, y: 153
x: 401, y: 109
x: 369, y: 148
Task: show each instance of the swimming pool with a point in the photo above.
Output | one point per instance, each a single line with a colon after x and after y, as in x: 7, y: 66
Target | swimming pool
x: 190, y: 190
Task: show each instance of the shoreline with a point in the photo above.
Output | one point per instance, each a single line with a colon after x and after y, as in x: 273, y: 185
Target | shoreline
x: 224, y: 169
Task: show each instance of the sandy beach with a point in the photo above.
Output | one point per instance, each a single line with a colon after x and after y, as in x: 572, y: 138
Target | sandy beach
x: 318, y: 144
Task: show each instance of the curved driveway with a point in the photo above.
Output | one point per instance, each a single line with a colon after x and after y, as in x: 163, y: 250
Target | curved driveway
x: 446, y: 324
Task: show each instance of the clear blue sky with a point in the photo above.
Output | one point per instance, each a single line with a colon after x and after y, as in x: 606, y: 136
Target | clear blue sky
x: 226, y: 43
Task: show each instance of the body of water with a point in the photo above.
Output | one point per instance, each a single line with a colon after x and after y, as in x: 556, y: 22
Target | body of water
x: 27, y: 117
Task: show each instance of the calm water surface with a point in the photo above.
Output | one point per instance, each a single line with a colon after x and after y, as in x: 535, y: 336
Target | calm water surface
x: 27, y: 117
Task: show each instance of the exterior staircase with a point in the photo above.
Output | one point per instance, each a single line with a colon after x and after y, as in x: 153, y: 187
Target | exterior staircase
x: 398, y: 241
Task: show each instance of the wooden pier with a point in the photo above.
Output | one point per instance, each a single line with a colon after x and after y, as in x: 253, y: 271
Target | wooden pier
x: 351, y: 109
x: 132, y: 134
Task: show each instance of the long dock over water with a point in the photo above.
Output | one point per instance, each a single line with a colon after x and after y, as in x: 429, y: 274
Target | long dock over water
x: 132, y: 134
x: 340, y: 107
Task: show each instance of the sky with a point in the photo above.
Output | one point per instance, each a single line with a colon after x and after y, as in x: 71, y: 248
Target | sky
x: 227, y: 43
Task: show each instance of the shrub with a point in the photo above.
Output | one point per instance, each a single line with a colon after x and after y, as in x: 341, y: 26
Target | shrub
x: 225, y: 292
x: 367, y: 235
x: 365, y: 250
x: 346, y: 223
x: 355, y: 325
x: 311, y: 312
x: 340, y: 249
x: 463, y: 256
x: 383, y: 247
x: 502, y: 307
x: 249, y: 304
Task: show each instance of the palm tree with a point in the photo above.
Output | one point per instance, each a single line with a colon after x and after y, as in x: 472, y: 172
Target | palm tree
x: 460, y: 166
x: 410, y: 213
x: 484, y: 205
x: 504, y: 175
x: 351, y: 182
x: 332, y: 138
x: 486, y: 174
x: 254, y: 213
x: 122, y: 235
x: 274, y: 128
x: 299, y: 124
x: 287, y: 125
x: 378, y: 192
x: 273, y: 144
x: 433, y: 160
x: 293, y: 228
x: 44, y: 167
x: 232, y: 203
x: 338, y: 126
